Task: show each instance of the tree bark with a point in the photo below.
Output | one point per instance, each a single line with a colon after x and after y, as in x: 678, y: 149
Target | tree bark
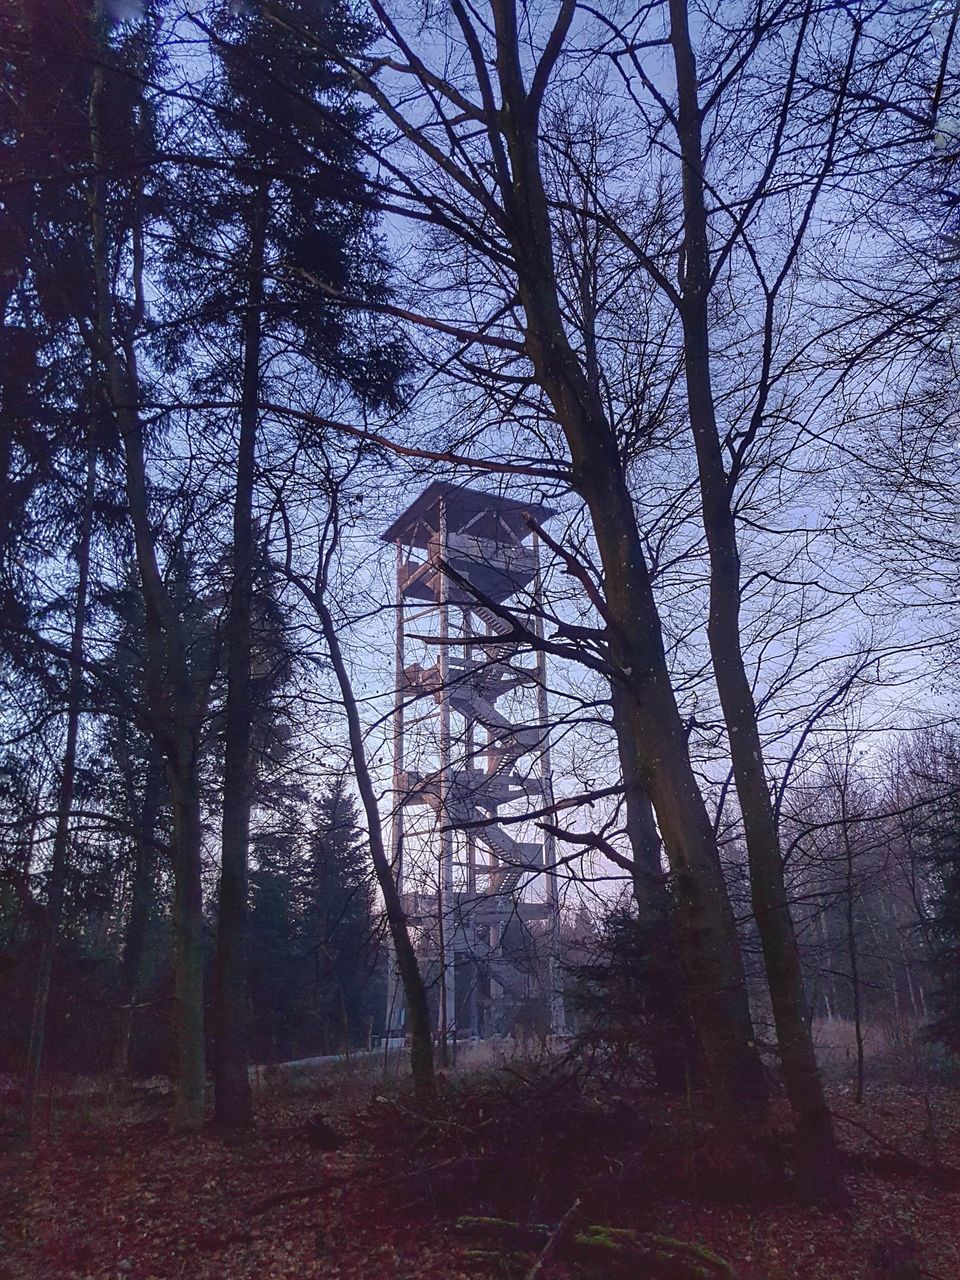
x: 56, y: 882
x: 817, y: 1155
x: 233, y: 1103
x: 649, y: 883
x: 174, y: 717
x: 670, y: 1032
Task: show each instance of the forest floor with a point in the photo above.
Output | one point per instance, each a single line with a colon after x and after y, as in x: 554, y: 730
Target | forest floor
x: 343, y: 1180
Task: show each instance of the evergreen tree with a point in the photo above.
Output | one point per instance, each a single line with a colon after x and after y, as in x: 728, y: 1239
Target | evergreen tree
x: 618, y: 994
x: 338, y: 927
x: 85, y: 80
x: 48, y: 413
x: 286, y: 224
x: 316, y: 982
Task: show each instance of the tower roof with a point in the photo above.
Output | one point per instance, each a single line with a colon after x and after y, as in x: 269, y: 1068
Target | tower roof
x: 482, y: 512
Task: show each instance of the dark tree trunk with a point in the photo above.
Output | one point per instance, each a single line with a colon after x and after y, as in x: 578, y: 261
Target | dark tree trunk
x: 188, y: 948
x: 57, y: 878
x: 653, y: 734
x: 174, y: 706
x: 853, y: 953
x: 670, y: 1029
x: 649, y: 883
x: 174, y: 718
x: 714, y: 986
x: 233, y: 1104
x: 172, y: 702
x: 141, y: 902
x: 817, y: 1156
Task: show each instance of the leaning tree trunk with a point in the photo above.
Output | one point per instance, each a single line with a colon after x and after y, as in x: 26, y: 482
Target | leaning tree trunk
x: 715, y: 987
x: 781, y: 954
x: 233, y: 1103
x: 414, y: 990
x: 56, y: 881
x: 174, y: 721
x: 817, y: 1154
x: 175, y: 725
x: 173, y: 716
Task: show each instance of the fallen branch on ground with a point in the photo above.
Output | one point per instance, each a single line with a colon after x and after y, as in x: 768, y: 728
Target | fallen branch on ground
x: 553, y: 1240
x: 941, y: 1175
x: 638, y: 1255
x: 297, y: 1193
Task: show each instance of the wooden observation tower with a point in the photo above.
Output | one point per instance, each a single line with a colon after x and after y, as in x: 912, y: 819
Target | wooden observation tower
x: 471, y: 757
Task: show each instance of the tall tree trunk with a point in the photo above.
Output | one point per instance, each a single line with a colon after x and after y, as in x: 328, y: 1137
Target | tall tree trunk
x: 233, y: 1104
x: 817, y: 1154
x: 652, y: 733
x: 714, y: 986
x: 649, y: 723
x: 175, y: 709
x: 649, y: 883
x: 670, y: 1031
x: 141, y: 901
x: 56, y: 881
x: 188, y: 948
x: 853, y: 951
x: 174, y: 722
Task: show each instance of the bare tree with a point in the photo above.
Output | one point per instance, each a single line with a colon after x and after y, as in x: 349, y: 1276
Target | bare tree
x: 315, y: 591
x: 491, y: 160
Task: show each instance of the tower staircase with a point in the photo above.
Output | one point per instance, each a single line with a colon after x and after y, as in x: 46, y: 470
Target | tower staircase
x: 459, y: 551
